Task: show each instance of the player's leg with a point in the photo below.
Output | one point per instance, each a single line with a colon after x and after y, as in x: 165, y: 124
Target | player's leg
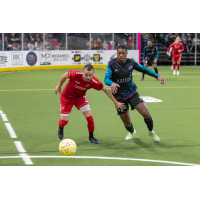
x: 178, y: 65
x: 155, y: 67
x: 174, y: 65
x: 65, y: 110
x: 143, y: 110
x: 125, y: 117
x: 82, y: 105
x: 146, y: 65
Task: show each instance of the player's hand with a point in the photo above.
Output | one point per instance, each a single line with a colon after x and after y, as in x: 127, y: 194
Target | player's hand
x: 167, y: 53
x: 155, y: 60
x: 143, y: 61
x: 57, y: 89
x: 114, y: 88
x: 119, y: 106
x: 162, y: 80
x: 179, y: 51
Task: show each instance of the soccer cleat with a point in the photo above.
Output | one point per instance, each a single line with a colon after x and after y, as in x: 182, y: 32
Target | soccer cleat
x: 60, y: 133
x: 142, y: 79
x: 177, y: 72
x: 130, y: 136
x: 93, y: 140
x: 174, y: 72
x: 156, y: 139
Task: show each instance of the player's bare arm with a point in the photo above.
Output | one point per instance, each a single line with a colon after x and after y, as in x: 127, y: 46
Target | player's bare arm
x: 162, y: 80
x: 62, y: 80
x: 118, y: 105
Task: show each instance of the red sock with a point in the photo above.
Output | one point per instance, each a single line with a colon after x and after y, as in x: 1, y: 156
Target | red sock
x: 62, y: 123
x: 90, y: 125
x: 174, y: 66
x: 178, y: 66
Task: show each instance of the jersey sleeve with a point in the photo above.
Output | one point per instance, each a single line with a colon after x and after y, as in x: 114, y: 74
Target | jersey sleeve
x: 141, y: 68
x: 156, y: 53
x: 71, y: 74
x: 108, y: 76
x: 97, y: 84
x: 182, y: 48
x: 170, y: 47
x: 144, y: 54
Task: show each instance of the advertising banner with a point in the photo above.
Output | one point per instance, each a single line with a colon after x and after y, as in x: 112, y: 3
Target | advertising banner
x: 60, y: 58
x: 45, y: 57
x: 98, y: 57
x: 4, y: 59
x: 16, y: 59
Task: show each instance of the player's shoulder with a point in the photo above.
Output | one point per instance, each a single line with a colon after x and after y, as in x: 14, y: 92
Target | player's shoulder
x: 112, y: 62
x: 74, y: 73
x: 95, y: 80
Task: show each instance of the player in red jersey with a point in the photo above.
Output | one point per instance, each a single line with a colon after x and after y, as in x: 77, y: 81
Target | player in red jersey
x: 176, y: 56
x: 74, y: 93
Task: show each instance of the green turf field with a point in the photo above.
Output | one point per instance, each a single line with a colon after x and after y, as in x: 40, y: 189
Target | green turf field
x: 32, y: 108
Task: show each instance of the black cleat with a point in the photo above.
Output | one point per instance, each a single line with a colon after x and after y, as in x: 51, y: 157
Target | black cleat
x: 93, y: 140
x: 142, y: 79
x: 60, y: 133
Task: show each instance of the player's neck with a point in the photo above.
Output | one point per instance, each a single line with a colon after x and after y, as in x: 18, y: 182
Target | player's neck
x: 121, y: 62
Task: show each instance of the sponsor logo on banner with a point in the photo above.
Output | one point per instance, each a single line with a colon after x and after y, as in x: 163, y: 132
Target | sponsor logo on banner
x: 45, y: 58
x: 77, y: 58
x: 31, y: 58
x: 97, y: 58
x: 16, y: 58
x: 76, y: 51
x: 3, y: 59
x: 100, y: 51
x: 87, y: 59
x: 60, y: 57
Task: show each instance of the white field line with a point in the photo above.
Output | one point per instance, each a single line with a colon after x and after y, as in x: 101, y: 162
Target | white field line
x: 104, y: 67
x: 5, y: 72
x: 4, y: 118
x: 1, y: 111
x: 19, y: 146
x: 26, y: 158
x: 103, y: 158
x: 10, y: 130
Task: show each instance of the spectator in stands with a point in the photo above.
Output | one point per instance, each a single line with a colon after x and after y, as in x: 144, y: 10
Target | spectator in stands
x: 31, y: 45
x: 189, y: 45
x: 102, y: 36
x: 17, y: 47
x: 184, y: 40
x: 38, y: 44
x: 176, y: 35
x: 105, y: 45
x: 124, y: 42
x: 54, y: 41
x: 30, y: 36
x: 5, y: 42
x: 25, y: 47
x: 196, y: 41
x: 130, y: 41
x: 110, y: 47
x: 145, y: 39
x: 14, y: 40
x: 47, y: 47
x: 98, y: 43
x: 108, y: 37
x: 46, y: 42
x: 170, y: 39
x: 167, y: 40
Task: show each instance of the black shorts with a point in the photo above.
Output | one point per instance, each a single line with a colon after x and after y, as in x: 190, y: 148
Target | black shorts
x: 132, y: 101
x: 148, y: 61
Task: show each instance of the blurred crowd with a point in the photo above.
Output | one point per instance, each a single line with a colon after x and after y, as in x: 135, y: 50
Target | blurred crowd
x: 187, y: 39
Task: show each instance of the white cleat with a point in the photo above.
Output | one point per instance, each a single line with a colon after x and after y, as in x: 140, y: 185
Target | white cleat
x: 174, y: 72
x: 156, y: 139
x: 172, y: 67
x: 130, y: 136
x: 177, y: 72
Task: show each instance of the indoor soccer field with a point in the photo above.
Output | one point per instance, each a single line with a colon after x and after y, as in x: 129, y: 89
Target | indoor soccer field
x: 30, y: 112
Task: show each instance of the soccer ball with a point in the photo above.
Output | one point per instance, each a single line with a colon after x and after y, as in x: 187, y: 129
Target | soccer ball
x: 67, y: 147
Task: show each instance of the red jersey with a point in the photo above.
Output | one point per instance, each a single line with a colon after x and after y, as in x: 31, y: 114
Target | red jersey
x: 77, y: 87
x: 176, y: 47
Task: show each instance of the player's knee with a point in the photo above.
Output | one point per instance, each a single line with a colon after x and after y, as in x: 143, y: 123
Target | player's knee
x: 145, y: 114
x: 85, y: 108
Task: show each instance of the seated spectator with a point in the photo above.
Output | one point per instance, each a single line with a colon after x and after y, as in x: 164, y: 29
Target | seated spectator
x: 130, y: 41
x: 38, y: 44
x: 123, y: 42
x: 54, y: 41
x: 184, y: 40
x: 170, y: 39
x: 25, y: 46
x: 14, y: 40
x: 46, y: 42
x: 98, y: 44
x: 105, y: 45
x: 17, y: 47
x: 47, y: 47
x: 5, y: 42
x: 110, y: 47
x: 29, y: 36
x: 196, y: 41
x: 92, y: 43
x: 176, y: 35
x: 31, y: 45
x: 189, y: 45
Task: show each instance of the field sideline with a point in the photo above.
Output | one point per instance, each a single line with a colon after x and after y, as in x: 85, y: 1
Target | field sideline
x: 29, y: 112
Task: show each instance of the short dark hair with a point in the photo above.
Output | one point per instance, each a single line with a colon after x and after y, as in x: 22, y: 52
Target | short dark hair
x: 89, y: 67
x: 122, y: 47
x: 149, y: 40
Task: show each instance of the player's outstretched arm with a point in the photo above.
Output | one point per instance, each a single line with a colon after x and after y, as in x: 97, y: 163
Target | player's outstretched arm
x: 62, y: 80
x: 118, y: 105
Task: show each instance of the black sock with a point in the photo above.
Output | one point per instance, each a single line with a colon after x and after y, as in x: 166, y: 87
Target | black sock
x: 91, y: 135
x: 143, y: 75
x: 156, y: 70
x: 130, y: 128
x: 149, y: 123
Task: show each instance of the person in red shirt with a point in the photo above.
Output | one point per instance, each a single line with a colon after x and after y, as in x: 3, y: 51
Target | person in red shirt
x: 176, y: 56
x: 74, y: 93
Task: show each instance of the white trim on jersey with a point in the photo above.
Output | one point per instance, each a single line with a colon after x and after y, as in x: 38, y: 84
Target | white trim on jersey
x: 84, y: 108
x: 64, y: 114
